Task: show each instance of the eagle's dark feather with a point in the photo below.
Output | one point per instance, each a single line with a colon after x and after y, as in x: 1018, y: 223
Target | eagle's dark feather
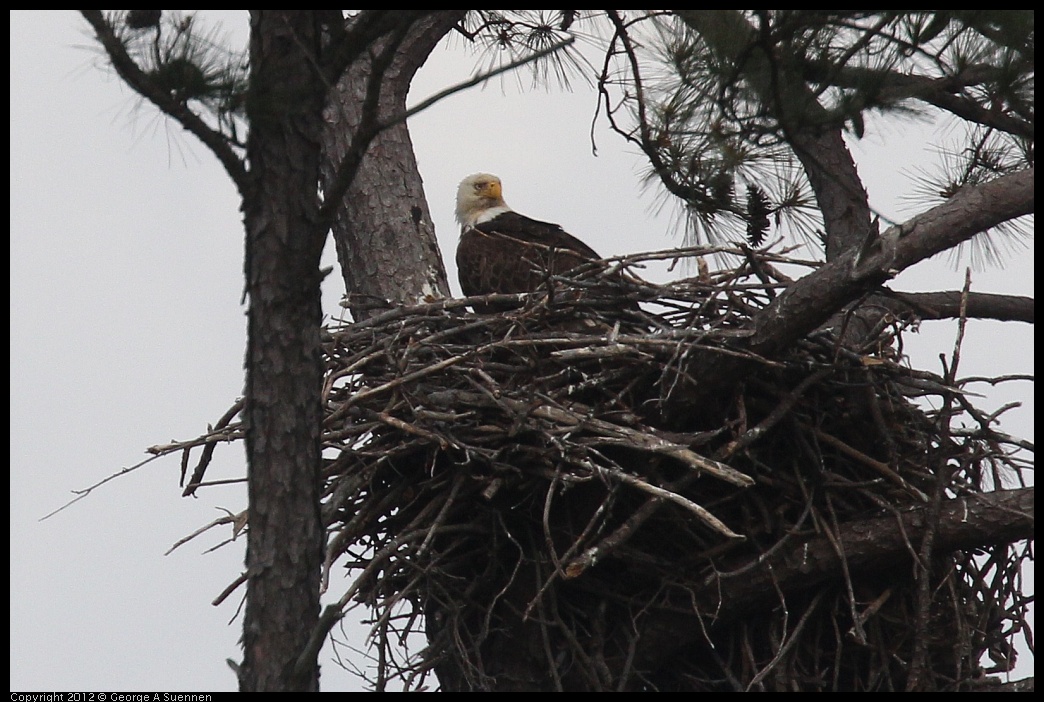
x: 501, y: 251
x: 512, y: 253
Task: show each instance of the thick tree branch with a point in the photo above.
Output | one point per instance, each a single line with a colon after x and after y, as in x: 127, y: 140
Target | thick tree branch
x: 1004, y: 516
x: 947, y: 305
x: 942, y: 92
x: 142, y: 84
x: 986, y: 519
x: 381, y: 225
x: 373, y: 123
x: 360, y: 34
x: 365, y: 131
x: 809, y: 302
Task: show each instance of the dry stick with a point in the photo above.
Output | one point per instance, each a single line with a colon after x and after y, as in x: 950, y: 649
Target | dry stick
x: 80, y: 494
x: 775, y: 416
x: 622, y: 533
x: 549, y: 543
x: 441, y: 365
x: 882, y: 468
x: 642, y: 441
x: 208, y: 449
x: 831, y: 531
x: 559, y: 571
x: 335, y: 612
x: 228, y: 519
x: 789, y: 643
x: 230, y: 589
x: 719, y: 575
x: 410, y: 429
x: 208, y: 438
x: 701, y: 513
x: 924, y: 586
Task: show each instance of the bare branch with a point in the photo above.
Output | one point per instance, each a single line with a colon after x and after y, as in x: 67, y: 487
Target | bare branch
x: 133, y: 76
x: 473, y: 81
x: 361, y: 33
x: 811, y: 300
x: 968, y: 522
x: 946, y: 305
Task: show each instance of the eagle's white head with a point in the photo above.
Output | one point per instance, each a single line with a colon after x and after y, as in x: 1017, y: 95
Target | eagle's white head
x: 479, y: 199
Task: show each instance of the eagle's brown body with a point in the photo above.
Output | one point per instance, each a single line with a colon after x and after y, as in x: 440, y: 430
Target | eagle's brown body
x: 501, y: 251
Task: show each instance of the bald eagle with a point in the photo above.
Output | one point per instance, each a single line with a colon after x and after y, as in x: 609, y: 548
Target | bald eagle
x: 501, y: 251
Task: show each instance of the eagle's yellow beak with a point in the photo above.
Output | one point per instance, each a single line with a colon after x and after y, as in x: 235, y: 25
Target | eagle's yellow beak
x: 493, y: 190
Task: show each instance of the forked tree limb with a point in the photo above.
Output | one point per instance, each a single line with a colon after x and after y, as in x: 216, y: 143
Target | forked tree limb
x: 809, y: 302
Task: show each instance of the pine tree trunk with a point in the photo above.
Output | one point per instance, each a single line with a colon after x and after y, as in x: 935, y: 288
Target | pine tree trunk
x: 383, y: 232
x: 283, y: 364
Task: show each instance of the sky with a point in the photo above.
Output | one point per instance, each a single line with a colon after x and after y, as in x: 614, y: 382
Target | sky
x: 127, y: 331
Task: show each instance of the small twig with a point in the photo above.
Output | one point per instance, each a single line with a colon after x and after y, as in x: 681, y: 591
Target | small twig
x: 80, y: 494
x: 878, y: 466
x: 701, y: 513
x: 230, y: 589
x: 208, y: 449
x: 239, y: 520
x: 473, y: 81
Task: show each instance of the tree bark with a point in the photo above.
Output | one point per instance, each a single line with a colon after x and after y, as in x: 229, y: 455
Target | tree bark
x: 383, y: 230
x: 947, y: 305
x: 284, y: 368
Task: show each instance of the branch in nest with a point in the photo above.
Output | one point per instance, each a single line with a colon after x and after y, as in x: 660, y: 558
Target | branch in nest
x: 659, y: 493
x: 969, y: 522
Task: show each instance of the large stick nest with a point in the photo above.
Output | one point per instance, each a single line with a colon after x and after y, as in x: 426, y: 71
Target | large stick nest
x: 518, y: 490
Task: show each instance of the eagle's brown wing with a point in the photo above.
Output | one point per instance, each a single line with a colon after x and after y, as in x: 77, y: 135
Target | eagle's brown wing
x: 512, y: 253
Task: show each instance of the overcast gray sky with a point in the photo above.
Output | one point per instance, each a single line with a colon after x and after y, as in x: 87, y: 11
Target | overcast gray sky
x: 127, y: 331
